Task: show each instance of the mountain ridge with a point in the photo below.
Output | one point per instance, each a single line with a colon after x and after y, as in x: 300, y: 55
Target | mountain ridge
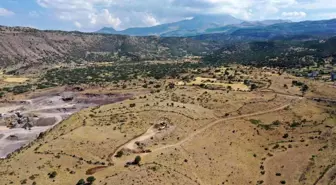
x: 195, y: 26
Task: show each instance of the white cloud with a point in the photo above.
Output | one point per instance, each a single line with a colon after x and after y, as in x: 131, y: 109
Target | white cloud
x: 294, y: 15
x: 150, y: 20
x: 104, y: 18
x: 77, y: 24
x: 4, y: 12
x: 83, y: 13
x: 73, y: 4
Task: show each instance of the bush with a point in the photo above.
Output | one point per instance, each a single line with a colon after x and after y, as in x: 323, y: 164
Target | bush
x: 120, y: 153
x: 255, y: 122
x: 2, y: 94
x: 137, y: 160
x: 21, y: 89
x: 132, y: 105
x: 90, y: 179
x: 304, y: 88
x: 52, y: 174
x: 295, y: 124
x: 81, y: 182
x: 253, y: 86
x: 276, y: 123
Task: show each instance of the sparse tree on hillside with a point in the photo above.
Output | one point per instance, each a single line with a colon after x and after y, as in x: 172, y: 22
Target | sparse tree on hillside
x: 253, y: 86
x: 137, y: 160
x: 90, y: 179
x: 304, y: 88
x: 81, y: 182
x: 120, y: 153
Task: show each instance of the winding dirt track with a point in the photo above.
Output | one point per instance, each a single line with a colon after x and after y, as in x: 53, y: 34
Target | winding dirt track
x: 192, y: 135
x: 216, y: 122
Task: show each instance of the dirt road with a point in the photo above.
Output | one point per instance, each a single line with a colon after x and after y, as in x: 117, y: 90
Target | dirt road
x: 192, y: 135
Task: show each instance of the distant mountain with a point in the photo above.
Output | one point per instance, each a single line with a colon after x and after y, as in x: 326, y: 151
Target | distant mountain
x: 107, y: 31
x: 245, y: 24
x: 194, y: 26
x: 286, y: 30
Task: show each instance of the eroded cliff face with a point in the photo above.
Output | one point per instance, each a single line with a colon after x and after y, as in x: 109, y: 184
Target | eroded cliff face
x: 27, y: 46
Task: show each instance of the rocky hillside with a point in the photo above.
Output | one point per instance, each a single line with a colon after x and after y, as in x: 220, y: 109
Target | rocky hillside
x: 27, y: 47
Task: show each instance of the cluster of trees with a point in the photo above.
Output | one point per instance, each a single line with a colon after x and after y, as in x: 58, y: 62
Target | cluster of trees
x: 115, y: 73
x: 89, y: 181
x: 19, y: 89
x: 279, y: 53
x: 304, y: 87
x: 16, y: 89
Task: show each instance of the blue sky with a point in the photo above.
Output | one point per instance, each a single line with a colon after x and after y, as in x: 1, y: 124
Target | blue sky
x: 91, y: 15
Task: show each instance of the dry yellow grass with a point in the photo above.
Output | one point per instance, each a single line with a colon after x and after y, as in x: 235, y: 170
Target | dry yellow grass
x: 215, y: 82
x: 218, y: 137
x: 15, y: 79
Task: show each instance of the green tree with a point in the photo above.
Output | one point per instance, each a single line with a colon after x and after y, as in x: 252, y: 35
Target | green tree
x: 90, y: 179
x: 253, y: 86
x: 137, y: 160
x: 52, y: 174
x: 2, y: 94
x: 120, y: 153
x: 304, y: 88
x: 81, y: 182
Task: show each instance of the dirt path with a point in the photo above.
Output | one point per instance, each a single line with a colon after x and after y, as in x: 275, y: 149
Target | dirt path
x: 216, y: 122
x: 192, y: 135
x: 150, y: 133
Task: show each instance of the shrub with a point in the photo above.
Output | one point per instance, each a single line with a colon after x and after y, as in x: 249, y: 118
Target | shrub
x: 253, y: 86
x: 2, y: 94
x: 81, y: 182
x: 276, y: 123
x: 304, y: 88
x: 52, y: 174
x: 90, y: 179
x: 132, y: 105
x: 255, y: 122
x: 137, y: 160
x: 295, y: 124
x: 120, y: 153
